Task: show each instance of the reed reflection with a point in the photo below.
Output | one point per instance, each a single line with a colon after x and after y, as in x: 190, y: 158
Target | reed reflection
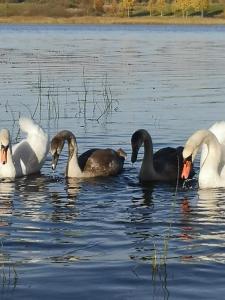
x: 148, y: 246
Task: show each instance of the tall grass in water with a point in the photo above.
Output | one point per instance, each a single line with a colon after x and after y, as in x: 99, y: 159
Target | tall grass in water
x: 160, y: 253
x: 91, y: 103
x: 8, y: 273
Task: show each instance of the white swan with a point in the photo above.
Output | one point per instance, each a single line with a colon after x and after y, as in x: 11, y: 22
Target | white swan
x: 163, y: 165
x: 212, y: 163
x: 92, y: 163
x: 26, y: 157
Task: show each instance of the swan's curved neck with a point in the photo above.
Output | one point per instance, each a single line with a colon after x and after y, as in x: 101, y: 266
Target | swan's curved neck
x: 209, y: 174
x: 148, y: 150
x: 72, y: 168
x: 147, y: 167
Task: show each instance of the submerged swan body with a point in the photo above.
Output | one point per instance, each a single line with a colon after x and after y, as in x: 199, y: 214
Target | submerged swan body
x: 26, y: 157
x: 212, y: 165
x: 163, y: 165
x: 92, y: 163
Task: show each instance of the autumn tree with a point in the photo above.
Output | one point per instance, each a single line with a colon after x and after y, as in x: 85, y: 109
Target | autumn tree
x: 150, y: 7
x: 99, y: 6
x: 161, y: 4
x: 128, y: 5
x: 87, y: 6
x: 114, y: 7
x: 184, y: 6
x: 200, y: 5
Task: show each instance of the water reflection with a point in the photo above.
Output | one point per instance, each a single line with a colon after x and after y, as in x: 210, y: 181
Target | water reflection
x: 73, y: 186
x: 64, y: 209
x: 8, y: 274
x: 202, y: 226
x: 148, y: 244
x: 31, y: 193
x: 6, y: 195
x: 212, y: 201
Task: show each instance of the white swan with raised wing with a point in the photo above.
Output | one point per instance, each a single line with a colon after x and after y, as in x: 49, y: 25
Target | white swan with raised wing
x: 27, y: 156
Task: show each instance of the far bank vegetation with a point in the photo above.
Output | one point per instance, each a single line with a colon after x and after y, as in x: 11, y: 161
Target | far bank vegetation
x: 112, y: 8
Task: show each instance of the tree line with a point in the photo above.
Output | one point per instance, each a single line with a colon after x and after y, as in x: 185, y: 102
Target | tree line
x: 120, y: 8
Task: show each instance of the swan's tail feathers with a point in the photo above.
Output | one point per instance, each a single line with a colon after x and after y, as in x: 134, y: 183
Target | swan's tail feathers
x: 218, y: 129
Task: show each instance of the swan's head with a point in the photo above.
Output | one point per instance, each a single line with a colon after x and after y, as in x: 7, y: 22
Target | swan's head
x: 137, y: 140
x: 189, y: 154
x: 4, y: 144
x: 56, y: 147
x: 187, y: 163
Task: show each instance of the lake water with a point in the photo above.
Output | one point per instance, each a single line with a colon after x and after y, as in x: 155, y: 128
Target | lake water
x: 111, y: 238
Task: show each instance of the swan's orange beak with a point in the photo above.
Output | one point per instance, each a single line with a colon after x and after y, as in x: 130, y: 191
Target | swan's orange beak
x: 3, y: 156
x: 186, y: 169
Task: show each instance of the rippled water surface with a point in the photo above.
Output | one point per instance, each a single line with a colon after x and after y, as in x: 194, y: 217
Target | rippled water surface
x: 111, y: 238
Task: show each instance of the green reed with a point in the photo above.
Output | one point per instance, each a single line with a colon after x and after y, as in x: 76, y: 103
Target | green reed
x: 8, y: 273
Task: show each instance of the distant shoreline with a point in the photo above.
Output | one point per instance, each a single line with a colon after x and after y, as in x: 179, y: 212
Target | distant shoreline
x: 113, y: 20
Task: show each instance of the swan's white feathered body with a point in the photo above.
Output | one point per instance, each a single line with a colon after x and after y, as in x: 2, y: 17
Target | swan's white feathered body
x: 212, y: 163
x: 28, y: 156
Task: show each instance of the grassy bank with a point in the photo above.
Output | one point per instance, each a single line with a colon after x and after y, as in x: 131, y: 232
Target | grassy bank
x: 112, y: 20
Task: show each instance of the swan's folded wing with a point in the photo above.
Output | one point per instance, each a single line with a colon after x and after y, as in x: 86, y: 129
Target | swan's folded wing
x: 83, y: 158
x: 168, y: 161
x: 218, y: 129
x: 25, y: 159
x: 101, y: 162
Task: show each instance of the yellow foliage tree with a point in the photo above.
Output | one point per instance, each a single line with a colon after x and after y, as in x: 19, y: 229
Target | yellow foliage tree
x: 200, y: 5
x: 160, y: 5
x: 184, y: 6
x: 128, y: 5
x: 150, y: 7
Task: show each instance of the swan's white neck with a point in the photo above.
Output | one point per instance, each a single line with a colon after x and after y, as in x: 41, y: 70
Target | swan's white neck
x: 73, y: 169
x: 210, y: 173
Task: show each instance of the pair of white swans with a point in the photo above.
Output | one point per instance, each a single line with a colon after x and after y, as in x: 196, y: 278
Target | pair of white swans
x: 168, y: 164
x: 28, y: 156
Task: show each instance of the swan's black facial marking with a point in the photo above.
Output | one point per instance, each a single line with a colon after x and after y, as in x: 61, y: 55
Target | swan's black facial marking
x: 189, y: 158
